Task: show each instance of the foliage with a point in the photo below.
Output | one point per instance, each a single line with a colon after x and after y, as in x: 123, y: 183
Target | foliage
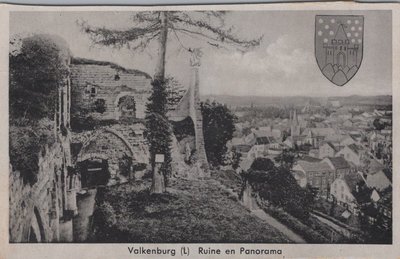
x: 286, y: 159
x: 175, y: 91
x: 270, y: 112
x: 27, y: 142
x: 277, y: 186
x: 308, y: 233
x: 37, y: 69
x: 147, y: 26
x: 81, y: 123
x: 236, y: 157
x: 218, y: 129
x: 127, y: 102
x: 262, y: 164
x: 125, y: 165
x: 183, y: 128
x: 378, y: 124
x: 100, y: 106
x: 158, y: 129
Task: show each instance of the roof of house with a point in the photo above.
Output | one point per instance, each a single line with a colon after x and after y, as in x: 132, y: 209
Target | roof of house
x: 262, y: 140
x: 338, y: 162
x: 353, y: 179
x: 319, y: 131
x: 237, y: 141
x: 243, y: 148
x: 311, y: 159
x: 375, y: 166
x: 246, y: 164
x: 262, y: 133
x: 313, y: 166
x: 355, y: 148
x: 331, y: 145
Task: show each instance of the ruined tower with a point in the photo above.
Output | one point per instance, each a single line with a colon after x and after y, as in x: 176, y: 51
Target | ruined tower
x: 189, y: 106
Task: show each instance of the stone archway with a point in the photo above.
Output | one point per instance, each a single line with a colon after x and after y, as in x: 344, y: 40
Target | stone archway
x: 99, y: 160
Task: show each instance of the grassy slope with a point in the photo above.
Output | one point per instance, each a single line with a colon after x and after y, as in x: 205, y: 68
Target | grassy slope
x: 192, y: 211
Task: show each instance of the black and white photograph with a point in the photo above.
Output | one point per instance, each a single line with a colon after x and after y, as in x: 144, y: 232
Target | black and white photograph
x: 200, y: 126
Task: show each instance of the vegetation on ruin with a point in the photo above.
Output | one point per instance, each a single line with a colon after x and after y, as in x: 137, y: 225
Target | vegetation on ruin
x: 38, y: 66
x: 27, y: 141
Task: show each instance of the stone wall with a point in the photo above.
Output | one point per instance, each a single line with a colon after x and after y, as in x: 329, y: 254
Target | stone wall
x: 92, y: 80
x: 37, y: 211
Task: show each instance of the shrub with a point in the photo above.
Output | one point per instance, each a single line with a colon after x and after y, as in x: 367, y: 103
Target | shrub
x: 218, y: 128
x: 100, y: 106
x: 293, y: 223
x: 36, y: 71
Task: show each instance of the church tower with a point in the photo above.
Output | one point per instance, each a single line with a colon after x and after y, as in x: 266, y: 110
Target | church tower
x: 294, y: 124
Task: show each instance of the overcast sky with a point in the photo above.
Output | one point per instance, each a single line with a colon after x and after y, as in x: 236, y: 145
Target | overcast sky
x: 283, y: 65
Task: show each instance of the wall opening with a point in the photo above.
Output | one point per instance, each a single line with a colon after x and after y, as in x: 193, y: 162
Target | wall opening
x: 127, y: 107
x: 94, y: 172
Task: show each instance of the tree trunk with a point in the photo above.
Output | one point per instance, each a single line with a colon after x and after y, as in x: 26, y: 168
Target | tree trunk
x: 158, y: 181
x: 160, y: 66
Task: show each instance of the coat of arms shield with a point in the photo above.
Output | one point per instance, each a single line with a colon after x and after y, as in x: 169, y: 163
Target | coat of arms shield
x: 339, y: 46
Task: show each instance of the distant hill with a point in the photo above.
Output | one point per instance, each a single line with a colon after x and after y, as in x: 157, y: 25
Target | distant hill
x: 296, y: 100
x: 364, y: 100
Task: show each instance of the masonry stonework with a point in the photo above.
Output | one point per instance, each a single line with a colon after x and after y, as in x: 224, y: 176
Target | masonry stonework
x: 38, y: 211
x: 95, y: 80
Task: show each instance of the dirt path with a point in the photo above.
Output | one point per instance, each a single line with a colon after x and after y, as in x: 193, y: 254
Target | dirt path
x: 81, y: 223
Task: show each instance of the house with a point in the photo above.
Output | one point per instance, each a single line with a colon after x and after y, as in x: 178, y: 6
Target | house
x: 348, y: 123
x: 335, y: 103
x: 237, y: 141
x: 327, y: 150
x: 349, y: 192
x: 385, y: 207
x: 245, y: 165
x: 338, y: 165
x: 257, y: 151
x: 348, y: 140
x: 379, y: 180
x: 314, y: 153
x: 250, y: 139
x: 243, y: 149
x: 262, y: 140
x: 379, y: 211
x: 315, y: 136
x: 316, y: 174
x: 352, y: 153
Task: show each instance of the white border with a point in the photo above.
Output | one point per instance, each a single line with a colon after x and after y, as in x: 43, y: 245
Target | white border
x: 120, y: 250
